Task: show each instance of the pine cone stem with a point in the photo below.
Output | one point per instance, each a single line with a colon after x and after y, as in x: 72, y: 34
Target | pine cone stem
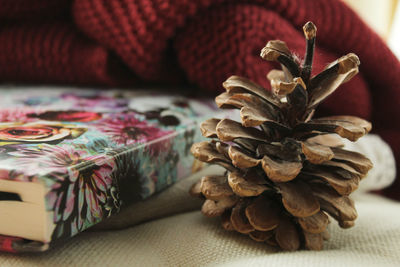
x: 309, y: 32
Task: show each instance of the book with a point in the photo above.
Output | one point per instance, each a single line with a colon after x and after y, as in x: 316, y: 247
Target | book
x: 70, y: 158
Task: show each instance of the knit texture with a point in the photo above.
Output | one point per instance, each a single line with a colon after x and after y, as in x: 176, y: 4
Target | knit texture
x: 118, y: 42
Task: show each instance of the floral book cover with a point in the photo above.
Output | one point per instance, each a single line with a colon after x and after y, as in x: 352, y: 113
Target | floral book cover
x: 95, y: 151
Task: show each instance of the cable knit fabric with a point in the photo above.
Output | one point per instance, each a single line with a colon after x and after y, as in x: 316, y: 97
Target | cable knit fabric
x: 121, y: 42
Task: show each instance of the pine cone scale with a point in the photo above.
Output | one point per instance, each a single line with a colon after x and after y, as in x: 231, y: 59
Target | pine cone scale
x: 343, y: 70
x: 239, y: 220
x: 287, y: 235
x: 229, y: 130
x: 209, y: 128
x: 341, y: 186
x: 315, y: 153
x: 340, y: 207
x: 354, y: 159
x: 261, y: 236
x: 240, y: 159
x: 250, y: 102
x: 243, y: 187
x: 314, y: 224
x: 247, y: 85
x: 215, y: 187
x: 263, y: 214
x: 279, y: 170
x: 298, y: 199
x: 313, y: 241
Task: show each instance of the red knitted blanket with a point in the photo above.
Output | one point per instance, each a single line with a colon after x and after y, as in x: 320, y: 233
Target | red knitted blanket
x: 118, y: 42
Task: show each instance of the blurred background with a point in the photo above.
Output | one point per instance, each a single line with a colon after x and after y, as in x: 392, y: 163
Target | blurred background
x: 383, y: 16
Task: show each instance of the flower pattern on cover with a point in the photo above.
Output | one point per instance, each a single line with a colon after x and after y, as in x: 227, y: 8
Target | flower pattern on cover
x: 94, y: 150
x: 126, y: 129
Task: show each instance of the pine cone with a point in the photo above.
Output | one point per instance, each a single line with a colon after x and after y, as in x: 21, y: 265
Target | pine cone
x: 287, y: 173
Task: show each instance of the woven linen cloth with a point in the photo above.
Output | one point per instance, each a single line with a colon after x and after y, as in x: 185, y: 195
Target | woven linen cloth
x: 190, y: 239
x: 121, y: 42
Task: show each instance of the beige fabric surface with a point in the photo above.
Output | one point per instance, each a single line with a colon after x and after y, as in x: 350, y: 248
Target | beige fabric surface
x: 189, y: 239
